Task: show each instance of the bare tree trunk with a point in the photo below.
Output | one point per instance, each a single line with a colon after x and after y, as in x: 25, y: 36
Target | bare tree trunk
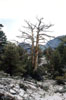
x: 32, y: 50
x: 36, y: 53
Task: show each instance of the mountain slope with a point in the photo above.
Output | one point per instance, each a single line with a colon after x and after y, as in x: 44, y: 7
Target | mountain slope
x: 26, y: 46
x: 54, y: 43
x: 51, y: 43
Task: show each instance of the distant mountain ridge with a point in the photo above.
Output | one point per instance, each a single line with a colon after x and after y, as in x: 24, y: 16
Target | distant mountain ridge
x: 26, y: 46
x: 54, y: 43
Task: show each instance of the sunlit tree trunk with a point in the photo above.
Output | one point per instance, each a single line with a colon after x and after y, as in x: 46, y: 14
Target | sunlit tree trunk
x: 32, y: 50
x: 36, y: 52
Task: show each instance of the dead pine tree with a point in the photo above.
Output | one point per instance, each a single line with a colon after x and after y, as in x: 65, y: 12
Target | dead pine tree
x: 41, y: 30
x: 29, y: 35
x: 37, y: 34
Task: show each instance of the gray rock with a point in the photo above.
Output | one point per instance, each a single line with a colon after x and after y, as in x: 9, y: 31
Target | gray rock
x: 18, y: 89
x: 12, y: 91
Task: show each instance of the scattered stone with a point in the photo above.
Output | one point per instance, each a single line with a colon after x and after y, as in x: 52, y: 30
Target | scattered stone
x: 20, y: 89
x: 21, y: 92
x: 12, y: 92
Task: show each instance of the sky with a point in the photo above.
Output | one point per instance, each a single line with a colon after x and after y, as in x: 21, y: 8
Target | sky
x: 14, y: 12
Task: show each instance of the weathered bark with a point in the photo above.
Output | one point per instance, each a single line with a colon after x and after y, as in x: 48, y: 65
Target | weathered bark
x: 32, y: 50
x: 36, y: 52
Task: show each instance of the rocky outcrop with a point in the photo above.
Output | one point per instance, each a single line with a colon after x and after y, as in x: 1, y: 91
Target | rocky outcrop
x: 29, y: 89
